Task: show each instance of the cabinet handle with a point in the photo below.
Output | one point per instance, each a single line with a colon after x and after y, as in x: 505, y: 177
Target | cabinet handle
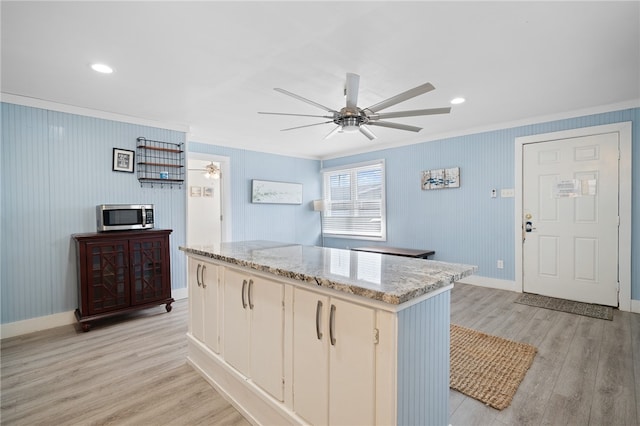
x: 332, y: 323
x: 250, y: 294
x: 244, y: 286
x: 198, y: 274
x: 204, y: 268
x: 318, y: 310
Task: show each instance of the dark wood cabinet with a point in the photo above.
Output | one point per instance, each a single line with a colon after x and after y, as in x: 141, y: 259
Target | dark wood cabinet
x: 122, y: 271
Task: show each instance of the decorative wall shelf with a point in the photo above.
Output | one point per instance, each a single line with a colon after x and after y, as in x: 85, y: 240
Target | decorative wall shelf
x: 160, y: 163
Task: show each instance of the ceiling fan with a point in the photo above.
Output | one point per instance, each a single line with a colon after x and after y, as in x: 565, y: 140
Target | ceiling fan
x: 352, y: 118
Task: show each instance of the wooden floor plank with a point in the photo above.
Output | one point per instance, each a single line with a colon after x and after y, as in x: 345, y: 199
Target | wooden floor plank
x: 132, y: 370
x: 614, y: 401
x: 570, y: 402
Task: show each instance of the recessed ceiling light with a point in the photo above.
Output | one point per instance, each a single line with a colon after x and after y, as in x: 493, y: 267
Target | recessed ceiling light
x: 105, y: 69
x: 456, y: 101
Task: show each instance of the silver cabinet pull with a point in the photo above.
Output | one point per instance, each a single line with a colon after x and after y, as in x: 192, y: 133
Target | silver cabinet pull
x: 198, y: 274
x: 244, y: 286
x: 332, y: 323
x: 204, y: 268
x: 318, y: 310
x: 250, y: 294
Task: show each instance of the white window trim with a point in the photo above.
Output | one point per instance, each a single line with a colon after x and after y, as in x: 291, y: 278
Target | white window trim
x: 383, y: 207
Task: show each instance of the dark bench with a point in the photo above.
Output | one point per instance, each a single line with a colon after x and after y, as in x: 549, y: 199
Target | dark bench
x: 395, y: 251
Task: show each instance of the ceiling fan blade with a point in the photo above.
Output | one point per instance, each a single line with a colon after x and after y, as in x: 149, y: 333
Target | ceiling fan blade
x: 297, y: 115
x: 368, y: 133
x: 394, y: 126
x: 411, y: 93
x: 412, y: 113
x: 353, y: 82
x: 333, y: 132
x: 300, y: 98
x: 308, y: 125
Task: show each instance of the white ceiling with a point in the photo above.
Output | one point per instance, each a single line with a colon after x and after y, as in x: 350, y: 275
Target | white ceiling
x: 213, y: 65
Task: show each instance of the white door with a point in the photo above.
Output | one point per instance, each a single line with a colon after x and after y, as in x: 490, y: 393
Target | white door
x: 203, y: 206
x: 570, y: 218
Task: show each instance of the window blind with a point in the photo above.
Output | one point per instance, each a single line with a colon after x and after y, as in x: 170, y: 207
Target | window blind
x: 354, y: 201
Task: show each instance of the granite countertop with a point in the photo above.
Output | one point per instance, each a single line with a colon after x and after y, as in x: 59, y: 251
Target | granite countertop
x: 390, y: 279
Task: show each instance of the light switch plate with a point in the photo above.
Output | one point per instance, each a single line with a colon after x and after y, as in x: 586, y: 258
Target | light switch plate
x: 507, y: 193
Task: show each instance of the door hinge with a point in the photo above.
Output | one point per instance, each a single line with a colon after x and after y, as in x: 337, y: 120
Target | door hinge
x: 618, y: 286
x: 220, y: 218
x: 376, y: 336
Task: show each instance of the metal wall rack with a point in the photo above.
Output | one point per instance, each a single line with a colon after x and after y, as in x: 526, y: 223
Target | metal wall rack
x: 160, y: 163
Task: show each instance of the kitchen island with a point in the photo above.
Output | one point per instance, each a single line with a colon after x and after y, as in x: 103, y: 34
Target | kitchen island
x: 294, y: 334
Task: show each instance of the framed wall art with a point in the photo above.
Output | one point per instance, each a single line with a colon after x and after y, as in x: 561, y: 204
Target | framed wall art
x: 123, y: 160
x: 440, y: 178
x: 269, y: 192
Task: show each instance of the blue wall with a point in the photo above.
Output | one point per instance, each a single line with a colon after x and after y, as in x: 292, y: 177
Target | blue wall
x: 466, y: 225
x: 56, y: 167
x: 275, y: 222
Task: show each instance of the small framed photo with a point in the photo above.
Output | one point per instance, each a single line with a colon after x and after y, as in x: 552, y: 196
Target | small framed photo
x: 123, y: 160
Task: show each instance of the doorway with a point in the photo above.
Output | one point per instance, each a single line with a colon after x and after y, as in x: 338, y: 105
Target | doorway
x: 208, y: 215
x: 573, y: 213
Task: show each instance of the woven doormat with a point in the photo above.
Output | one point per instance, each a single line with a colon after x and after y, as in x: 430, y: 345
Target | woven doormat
x: 487, y: 368
x: 579, y: 308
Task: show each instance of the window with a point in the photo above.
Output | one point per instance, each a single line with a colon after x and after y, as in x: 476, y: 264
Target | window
x: 354, y: 201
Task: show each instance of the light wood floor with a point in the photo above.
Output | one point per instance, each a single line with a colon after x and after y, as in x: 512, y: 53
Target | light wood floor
x: 586, y: 372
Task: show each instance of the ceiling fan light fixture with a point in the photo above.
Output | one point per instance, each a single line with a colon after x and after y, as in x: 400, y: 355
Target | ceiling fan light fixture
x: 350, y: 124
x: 457, y: 101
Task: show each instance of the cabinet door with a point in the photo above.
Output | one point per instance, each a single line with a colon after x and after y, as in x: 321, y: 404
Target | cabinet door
x: 352, y: 364
x: 209, y: 282
x: 266, y: 300
x: 203, y: 302
x: 310, y: 356
x: 107, y: 276
x: 196, y: 307
x: 149, y: 269
x: 236, y: 320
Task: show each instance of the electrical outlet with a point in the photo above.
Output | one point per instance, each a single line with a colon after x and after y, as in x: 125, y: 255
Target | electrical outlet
x: 500, y: 264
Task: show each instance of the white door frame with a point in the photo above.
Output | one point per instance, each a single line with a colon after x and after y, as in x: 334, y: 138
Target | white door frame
x: 624, y: 197
x: 225, y: 200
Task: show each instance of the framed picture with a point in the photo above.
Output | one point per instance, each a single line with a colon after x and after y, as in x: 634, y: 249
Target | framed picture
x: 123, y: 160
x: 268, y: 192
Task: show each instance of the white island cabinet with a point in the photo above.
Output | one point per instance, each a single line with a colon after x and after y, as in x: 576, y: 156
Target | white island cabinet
x: 253, y: 328
x: 333, y: 360
x: 301, y: 340
x: 203, y: 302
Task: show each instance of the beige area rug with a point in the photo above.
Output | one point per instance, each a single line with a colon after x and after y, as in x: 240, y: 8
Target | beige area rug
x: 487, y: 368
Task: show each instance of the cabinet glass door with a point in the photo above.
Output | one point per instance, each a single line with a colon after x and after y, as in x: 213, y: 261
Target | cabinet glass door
x: 107, y: 287
x: 147, y: 268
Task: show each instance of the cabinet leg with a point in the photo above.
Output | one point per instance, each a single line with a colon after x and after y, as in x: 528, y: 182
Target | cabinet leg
x: 86, y: 326
x: 168, y: 307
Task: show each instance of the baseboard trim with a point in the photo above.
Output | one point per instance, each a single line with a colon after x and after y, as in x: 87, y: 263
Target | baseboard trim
x: 31, y: 325
x: 511, y: 286
x: 491, y: 283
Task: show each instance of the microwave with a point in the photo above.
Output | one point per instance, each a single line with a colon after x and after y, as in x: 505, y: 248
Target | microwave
x: 119, y: 217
